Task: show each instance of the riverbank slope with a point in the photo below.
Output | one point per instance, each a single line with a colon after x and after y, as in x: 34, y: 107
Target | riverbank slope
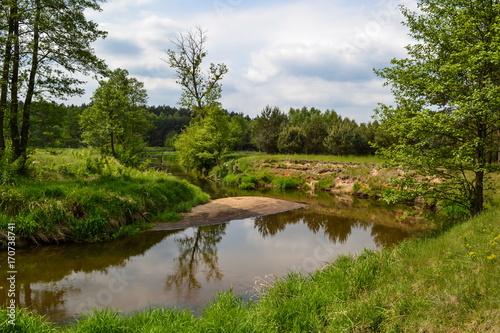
x: 80, y: 196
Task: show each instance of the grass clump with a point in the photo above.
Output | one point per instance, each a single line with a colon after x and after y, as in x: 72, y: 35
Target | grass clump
x: 287, y: 183
x: 325, y: 184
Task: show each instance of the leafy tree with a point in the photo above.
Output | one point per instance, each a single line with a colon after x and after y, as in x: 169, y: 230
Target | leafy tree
x: 447, y: 118
x: 47, y: 124
x: 291, y: 140
x: 71, y: 135
x: 116, y: 118
x: 266, y: 129
x: 44, y: 43
x: 206, y: 142
x: 315, y: 131
x: 199, y: 92
x: 299, y: 117
x: 342, y: 137
x: 163, y: 125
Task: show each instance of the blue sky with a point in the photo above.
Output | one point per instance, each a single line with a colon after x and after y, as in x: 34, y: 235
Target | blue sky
x: 291, y: 53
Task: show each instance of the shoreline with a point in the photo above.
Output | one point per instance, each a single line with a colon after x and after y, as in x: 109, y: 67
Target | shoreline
x: 228, y: 209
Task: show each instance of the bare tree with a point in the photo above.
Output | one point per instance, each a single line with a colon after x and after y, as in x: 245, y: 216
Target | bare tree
x: 199, y: 91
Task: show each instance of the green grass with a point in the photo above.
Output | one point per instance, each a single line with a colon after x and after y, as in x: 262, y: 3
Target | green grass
x: 256, y: 156
x: 442, y: 282
x: 75, y: 195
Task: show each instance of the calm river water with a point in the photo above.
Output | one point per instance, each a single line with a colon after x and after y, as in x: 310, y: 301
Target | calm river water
x: 186, y: 268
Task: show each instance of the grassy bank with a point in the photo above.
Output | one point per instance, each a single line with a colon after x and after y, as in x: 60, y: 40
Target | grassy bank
x: 357, y: 175
x: 443, y: 282
x: 77, y: 195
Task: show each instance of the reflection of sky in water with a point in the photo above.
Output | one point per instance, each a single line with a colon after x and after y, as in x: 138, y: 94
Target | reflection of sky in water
x: 187, y: 268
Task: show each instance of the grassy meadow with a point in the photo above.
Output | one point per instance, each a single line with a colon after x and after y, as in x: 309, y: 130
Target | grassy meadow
x: 78, y: 195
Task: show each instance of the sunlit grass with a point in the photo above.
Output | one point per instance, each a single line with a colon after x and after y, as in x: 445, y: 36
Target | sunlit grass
x: 78, y: 195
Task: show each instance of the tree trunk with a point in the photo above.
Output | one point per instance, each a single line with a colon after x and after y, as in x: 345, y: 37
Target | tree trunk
x: 14, y: 129
x: 477, y: 205
x: 5, y: 77
x: 31, y: 82
x: 113, y: 145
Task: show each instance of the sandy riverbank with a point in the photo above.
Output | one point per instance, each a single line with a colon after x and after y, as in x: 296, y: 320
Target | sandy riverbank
x: 227, y: 209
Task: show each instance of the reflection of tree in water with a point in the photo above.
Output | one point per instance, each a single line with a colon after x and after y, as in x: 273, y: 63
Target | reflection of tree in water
x: 197, y: 252
x: 387, y: 236
x: 48, y: 301
x: 43, y: 271
x: 336, y: 228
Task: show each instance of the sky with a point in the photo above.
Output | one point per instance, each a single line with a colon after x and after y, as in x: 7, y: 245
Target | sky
x: 294, y: 53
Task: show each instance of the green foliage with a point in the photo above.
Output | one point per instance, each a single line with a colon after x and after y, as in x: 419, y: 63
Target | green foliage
x: 105, y: 202
x: 286, y: 183
x: 231, y: 180
x: 267, y: 127
x: 248, y: 182
x: 45, y: 46
x: 199, y: 92
x: 446, y: 122
x: 291, y: 140
x: 342, y: 138
x: 206, y: 142
x: 325, y: 184
x: 170, y: 139
x: 315, y: 133
x: 356, y: 187
x: 115, y: 123
x: 25, y: 322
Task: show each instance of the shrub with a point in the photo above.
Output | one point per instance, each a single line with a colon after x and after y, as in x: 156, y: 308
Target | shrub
x: 324, y: 184
x: 285, y: 183
x: 246, y: 186
x: 356, y: 187
x: 231, y: 180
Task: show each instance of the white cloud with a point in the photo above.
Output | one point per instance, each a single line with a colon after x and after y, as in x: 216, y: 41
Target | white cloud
x: 317, y: 53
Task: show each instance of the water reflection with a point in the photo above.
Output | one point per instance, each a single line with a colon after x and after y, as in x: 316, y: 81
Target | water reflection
x: 196, y: 253
x: 336, y: 228
x: 53, y: 267
x: 186, y: 268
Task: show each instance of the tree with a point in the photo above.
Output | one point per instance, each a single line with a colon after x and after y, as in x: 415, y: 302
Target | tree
x: 447, y: 118
x: 316, y: 132
x: 266, y: 129
x: 116, y: 118
x: 299, y: 117
x: 342, y: 138
x: 45, y: 43
x: 291, y: 140
x: 199, y: 92
x: 205, y: 143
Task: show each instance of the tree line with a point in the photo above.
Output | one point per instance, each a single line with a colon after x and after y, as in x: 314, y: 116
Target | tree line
x: 300, y: 131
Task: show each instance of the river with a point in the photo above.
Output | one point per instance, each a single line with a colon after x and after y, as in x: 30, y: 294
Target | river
x: 186, y: 268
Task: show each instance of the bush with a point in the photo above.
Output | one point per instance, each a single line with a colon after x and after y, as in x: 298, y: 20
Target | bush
x: 232, y: 180
x: 324, y: 184
x: 285, y: 183
x: 246, y: 186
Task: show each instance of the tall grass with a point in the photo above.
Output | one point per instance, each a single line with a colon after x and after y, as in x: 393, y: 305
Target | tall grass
x: 442, y: 282
x: 75, y: 196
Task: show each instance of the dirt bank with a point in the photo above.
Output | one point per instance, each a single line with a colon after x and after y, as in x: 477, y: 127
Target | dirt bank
x: 227, y: 209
